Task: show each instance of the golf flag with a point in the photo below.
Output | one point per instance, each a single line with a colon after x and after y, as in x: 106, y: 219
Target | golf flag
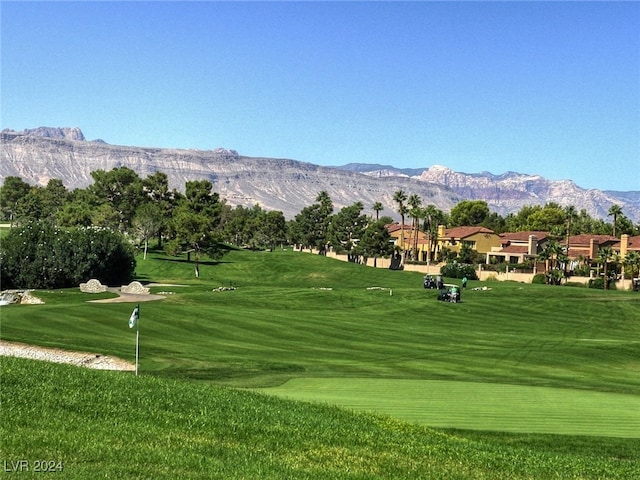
x: 133, y: 319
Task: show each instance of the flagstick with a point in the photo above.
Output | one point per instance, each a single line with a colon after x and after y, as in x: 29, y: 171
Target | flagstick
x: 137, y: 338
x: 137, y: 348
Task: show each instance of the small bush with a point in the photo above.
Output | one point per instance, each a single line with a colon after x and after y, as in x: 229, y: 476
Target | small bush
x: 459, y: 270
x: 596, y: 283
x: 539, y: 278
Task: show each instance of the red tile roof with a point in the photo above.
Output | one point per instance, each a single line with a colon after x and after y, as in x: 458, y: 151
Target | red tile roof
x: 514, y: 249
x: 464, y: 232
x: 394, y: 227
x: 523, y: 236
x: 634, y: 243
x: 585, y: 239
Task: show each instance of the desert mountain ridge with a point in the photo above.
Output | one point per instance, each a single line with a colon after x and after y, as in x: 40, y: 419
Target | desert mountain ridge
x: 39, y: 154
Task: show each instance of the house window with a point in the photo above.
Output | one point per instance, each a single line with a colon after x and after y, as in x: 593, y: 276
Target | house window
x: 469, y: 243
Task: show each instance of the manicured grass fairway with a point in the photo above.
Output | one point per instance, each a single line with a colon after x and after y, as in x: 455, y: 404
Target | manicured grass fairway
x: 94, y: 424
x: 301, y: 317
x: 480, y: 406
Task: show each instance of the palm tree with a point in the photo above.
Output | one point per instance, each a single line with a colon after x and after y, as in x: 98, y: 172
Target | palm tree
x: 604, y: 255
x: 415, y: 212
x: 614, y: 211
x: 552, y: 254
x: 432, y: 217
x: 571, y: 213
x: 400, y: 197
x: 377, y: 207
x: 632, y: 260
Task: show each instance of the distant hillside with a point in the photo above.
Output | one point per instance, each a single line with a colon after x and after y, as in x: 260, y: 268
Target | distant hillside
x: 510, y: 191
x: 275, y: 184
x: 40, y: 154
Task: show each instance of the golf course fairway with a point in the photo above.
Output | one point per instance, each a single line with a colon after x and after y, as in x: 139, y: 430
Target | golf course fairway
x: 477, y: 406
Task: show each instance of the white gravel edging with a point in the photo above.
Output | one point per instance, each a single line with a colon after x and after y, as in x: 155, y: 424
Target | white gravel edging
x: 80, y: 359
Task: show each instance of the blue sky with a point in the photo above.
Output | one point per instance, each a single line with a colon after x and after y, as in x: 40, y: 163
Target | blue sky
x: 549, y: 88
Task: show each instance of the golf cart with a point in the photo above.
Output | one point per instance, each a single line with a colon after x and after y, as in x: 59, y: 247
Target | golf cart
x: 449, y: 293
x: 430, y: 282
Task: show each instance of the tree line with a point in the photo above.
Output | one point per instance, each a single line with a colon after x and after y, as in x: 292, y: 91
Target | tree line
x: 198, y: 221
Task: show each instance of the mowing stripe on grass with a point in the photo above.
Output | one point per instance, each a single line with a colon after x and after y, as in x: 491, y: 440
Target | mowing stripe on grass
x: 477, y: 406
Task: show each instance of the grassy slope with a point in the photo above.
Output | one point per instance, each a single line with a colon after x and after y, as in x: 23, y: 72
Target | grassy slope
x: 279, y: 325
x: 112, y: 425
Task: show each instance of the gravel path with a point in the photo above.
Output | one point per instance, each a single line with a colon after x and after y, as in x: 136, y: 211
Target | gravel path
x: 81, y: 359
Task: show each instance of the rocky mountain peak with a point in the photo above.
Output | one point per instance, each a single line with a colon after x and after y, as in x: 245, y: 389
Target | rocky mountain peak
x: 40, y: 154
x: 73, y: 133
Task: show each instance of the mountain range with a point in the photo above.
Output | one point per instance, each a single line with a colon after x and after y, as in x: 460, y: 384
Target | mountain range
x: 37, y: 155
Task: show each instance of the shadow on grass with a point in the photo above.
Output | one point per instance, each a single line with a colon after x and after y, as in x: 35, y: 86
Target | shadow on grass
x: 191, y: 262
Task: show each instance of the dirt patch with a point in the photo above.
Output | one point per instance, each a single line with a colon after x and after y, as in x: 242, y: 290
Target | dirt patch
x: 56, y: 355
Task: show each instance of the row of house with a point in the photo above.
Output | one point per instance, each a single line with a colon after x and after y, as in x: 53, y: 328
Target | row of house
x: 518, y: 247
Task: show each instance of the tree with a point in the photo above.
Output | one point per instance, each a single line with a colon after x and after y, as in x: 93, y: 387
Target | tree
x: 399, y: 196
x: 376, y: 241
x: 309, y: 228
x: 415, y: 213
x: 346, y: 230
x: 77, y: 210
x: 614, y: 211
x: 377, y: 207
x: 624, y: 225
x: 105, y: 216
x: 122, y: 189
x: 238, y: 225
x: 468, y: 255
x: 147, y: 222
x: 553, y: 255
x: 605, y: 254
x: 41, y: 203
x: 271, y: 229
x: 495, y: 222
x: 156, y: 188
x: 570, y: 212
x: 520, y: 221
x: 12, y: 191
x: 432, y: 218
x: 547, y: 218
x: 469, y: 213
x: 632, y: 261
x: 253, y: 227
x: 194, y: 223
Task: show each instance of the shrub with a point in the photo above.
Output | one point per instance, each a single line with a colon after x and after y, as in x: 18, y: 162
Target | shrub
x: 582, y: 271
x: 596, y: 283
x: 459, y: 270
x: 39, y: 255
x: 539, y: 278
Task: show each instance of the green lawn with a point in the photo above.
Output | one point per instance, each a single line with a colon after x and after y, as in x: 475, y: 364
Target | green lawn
x: 479, y: 406
x: 283, y: 322
x: 92, y: 424
x: 533, y: 359
x: 4, y: 230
